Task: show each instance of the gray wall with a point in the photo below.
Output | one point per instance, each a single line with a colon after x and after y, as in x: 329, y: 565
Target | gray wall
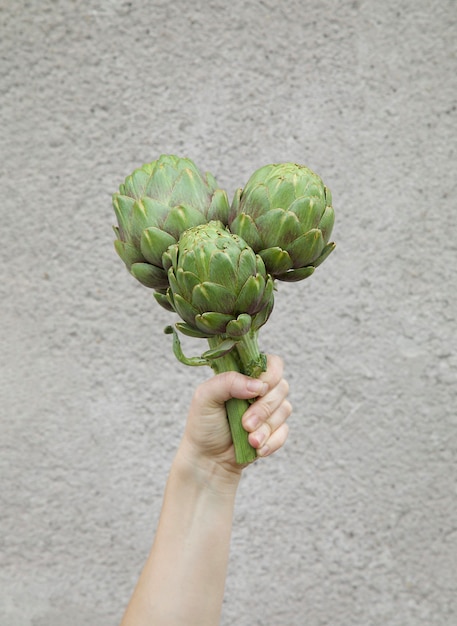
x: 354, y: 522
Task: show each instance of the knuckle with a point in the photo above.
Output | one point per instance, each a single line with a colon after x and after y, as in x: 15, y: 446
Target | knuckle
x: 229, y: 381
x: 263, y: 410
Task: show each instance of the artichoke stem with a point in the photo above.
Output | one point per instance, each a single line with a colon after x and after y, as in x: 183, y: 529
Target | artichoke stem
x: 236, y: 408
x: 253, y: 361
x: 244, y: 452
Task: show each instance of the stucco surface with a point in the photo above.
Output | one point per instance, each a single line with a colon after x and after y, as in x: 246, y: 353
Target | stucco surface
x: 354, y: 522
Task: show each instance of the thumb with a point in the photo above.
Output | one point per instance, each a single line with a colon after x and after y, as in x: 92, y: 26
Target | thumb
x: 222, y: 387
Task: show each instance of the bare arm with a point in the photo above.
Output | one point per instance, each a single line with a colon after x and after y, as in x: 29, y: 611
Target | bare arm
x: 182, y: 583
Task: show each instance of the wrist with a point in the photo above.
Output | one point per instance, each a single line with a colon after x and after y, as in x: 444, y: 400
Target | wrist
x: 205, y: 471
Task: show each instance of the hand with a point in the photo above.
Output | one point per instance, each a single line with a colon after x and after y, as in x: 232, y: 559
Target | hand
x: 207, y: 434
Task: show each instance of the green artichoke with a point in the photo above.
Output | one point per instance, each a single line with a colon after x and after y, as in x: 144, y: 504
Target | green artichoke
x: 218, y: 285
x: 285, y: 214
x: 154, y: 206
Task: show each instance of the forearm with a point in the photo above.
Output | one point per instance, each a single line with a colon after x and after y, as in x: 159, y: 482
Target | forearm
x: 184, y: 577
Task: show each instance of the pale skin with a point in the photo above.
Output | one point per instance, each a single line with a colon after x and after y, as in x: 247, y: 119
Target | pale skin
x: 183, y: 580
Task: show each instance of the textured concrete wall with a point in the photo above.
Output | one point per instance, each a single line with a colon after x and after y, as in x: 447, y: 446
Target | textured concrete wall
x: 354, y: 522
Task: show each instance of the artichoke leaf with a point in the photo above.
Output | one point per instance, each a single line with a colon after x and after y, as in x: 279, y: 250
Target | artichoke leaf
x: 306, y: 249
x: 250, y: 295
x: 268, y: 293
x: 210, y: 180
x: 154, y: 242
x: 283, y: 193
x: 198, y: 260
x: 168, y: 171
x: 184, y: 309
x: 277, y: 260
x: 123, y: 206
x: 259, y: 176
x: 296, y: 275
x: 324, y: 254
x: 234, y: 207
x: 247, y: 265
x: 177, y: 350
x: 239, y: 327
x: 172, y: 281
x: 212, y: 322
x: 326, y: 223
x: 182, y: 217
x: 278, y: 227
x: 170, y: 257
x: 160, y: 184
x: 219, y: 208
x: 222, y: 349
x: 128, y: 253
x: 222, y: 270
x: 243, y: 225
x: 328, y: 196
x: 164, y: 300
x: 135, y: 184
x: 308, y: 183
x: 150, y: 275
x: 145, y: 213
x: 209, y: 296
x: 262, y: 316
x: 155, y: 212
x: 185, y: 283
x: 309, y: 211
x: 255, y: 201
x: 260, y: 265
x: 190, y: 331
x: 191, y: 262
x: 190, y: 189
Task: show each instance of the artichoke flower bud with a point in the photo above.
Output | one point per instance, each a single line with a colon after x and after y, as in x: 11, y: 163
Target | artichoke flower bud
x: 154, y: 206
x: 218, y: 285
x: 285, y: 214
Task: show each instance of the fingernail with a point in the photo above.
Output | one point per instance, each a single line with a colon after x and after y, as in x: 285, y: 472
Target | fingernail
x: 257, y: 386
x: 260, y: 438
x: 264, y: 451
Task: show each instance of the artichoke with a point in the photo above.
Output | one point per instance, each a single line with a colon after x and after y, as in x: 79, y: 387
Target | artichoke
x: 221, y: 290
x: 154, y: 206
x: 285, y: 214
x: 218, y: 285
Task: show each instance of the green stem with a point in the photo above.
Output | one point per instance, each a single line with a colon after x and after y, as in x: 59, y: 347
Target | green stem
x: 253, y: 362
x: 236, y: 408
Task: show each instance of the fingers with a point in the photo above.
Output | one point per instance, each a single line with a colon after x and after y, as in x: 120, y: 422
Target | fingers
x: 275, y: 441
x: 265, y: 419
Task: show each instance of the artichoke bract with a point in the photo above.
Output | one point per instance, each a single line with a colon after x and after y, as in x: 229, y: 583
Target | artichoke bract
x: 285, y: 214
x: 154, y: 206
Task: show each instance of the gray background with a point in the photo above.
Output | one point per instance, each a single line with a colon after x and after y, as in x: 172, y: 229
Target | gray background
x: 354, y: 523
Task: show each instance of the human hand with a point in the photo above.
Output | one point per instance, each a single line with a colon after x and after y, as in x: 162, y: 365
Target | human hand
x: 207, y: 434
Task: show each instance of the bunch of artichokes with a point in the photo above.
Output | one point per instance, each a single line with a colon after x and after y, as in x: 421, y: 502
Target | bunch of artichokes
x: 215, y: 265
